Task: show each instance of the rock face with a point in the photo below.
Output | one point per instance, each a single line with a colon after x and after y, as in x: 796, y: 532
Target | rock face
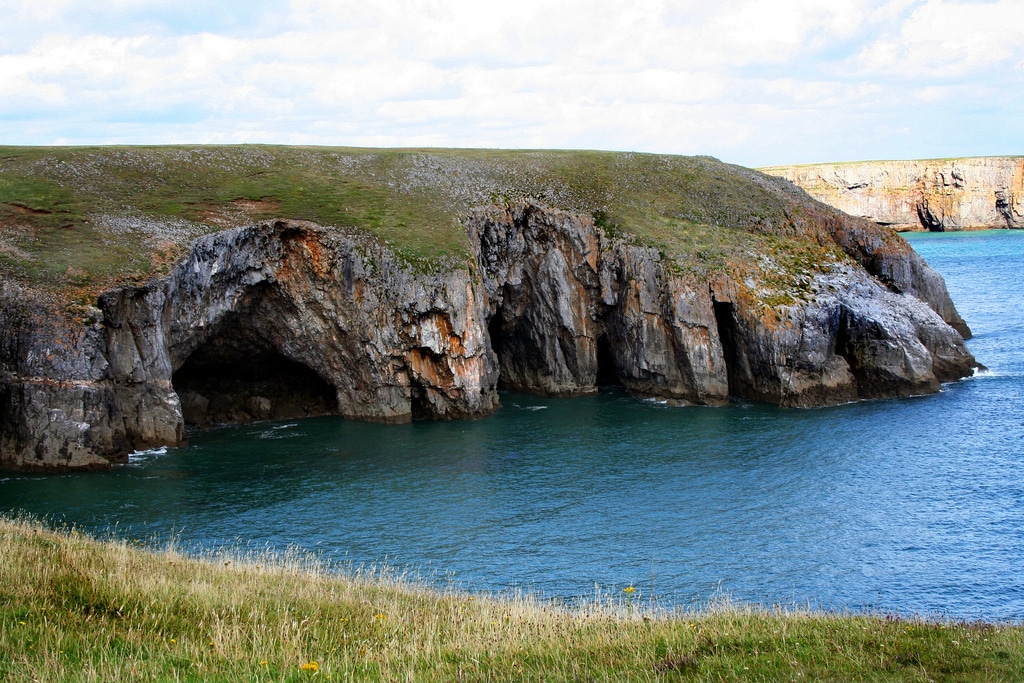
x: 288, y: 318
x: 571, y: 308
x: 937, y: 195
x: 329, y: 321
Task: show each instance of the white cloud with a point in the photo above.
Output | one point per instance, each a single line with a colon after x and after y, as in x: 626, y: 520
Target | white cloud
x: 753, y: 82
x: 950, y: 40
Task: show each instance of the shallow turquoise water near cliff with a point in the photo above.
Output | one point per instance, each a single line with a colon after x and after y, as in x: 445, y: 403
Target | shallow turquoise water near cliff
x: 913, y: 506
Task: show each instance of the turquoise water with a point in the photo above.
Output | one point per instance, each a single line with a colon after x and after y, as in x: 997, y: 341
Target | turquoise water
x: 913, y: 506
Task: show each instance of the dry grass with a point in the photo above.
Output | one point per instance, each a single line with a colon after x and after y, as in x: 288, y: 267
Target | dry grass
x: 76, y: 609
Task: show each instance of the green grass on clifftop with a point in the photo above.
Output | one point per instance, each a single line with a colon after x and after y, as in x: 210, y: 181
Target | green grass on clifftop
x: 75, y: 609
x: 85, y: 218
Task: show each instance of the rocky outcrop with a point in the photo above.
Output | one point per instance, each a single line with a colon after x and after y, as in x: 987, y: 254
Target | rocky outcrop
x: 286, y: 304
x: 894, y: 263
x: 289, y: 318
x: 62, y: 405
x: 937, y: 195
x: 571, y: 308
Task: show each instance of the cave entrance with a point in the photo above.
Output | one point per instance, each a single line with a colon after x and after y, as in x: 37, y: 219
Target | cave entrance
x: 736, y: 368
x: 607, y: 375
x: 237, y: 377
x: 419, y: 403
x: 515, y: 351
x: 496, y: 331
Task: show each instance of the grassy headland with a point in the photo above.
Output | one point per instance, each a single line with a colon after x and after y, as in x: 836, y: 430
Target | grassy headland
x: 76, y: 220
x: 76, y: 609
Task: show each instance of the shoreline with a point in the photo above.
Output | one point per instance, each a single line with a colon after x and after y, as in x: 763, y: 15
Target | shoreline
x: 75, y: 608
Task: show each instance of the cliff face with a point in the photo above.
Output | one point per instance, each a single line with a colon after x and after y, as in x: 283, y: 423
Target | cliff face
x: 937, y: 195
x: 699, y: 283
x: 275, y: 320
x: 571, y: 308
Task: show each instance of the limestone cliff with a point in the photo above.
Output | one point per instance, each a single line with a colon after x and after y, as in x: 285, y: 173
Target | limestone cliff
x: 937, y: 195
x: 728, y: 283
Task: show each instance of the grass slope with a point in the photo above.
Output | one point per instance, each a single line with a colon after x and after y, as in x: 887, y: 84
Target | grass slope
x: 77, y: 220
x: 75, y: 609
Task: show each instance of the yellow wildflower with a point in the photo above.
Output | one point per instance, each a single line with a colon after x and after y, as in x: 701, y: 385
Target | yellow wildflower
x: 629, y: 590
x: 311, y: 667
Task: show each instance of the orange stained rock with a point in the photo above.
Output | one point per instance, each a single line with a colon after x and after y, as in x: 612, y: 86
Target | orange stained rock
x: 443, y: 325
x: 424, y: 367
x: 593, y: 250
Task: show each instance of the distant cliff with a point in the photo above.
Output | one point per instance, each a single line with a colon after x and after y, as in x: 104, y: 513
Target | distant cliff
x: 934, y: 194
x: 143, y: 290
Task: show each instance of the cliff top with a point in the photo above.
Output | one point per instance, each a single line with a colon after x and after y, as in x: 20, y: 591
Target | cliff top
x: 936, y: 160
x: 76, y: 220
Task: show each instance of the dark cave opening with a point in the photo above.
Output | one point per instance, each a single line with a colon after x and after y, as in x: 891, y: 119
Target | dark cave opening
x: 496, y: 331
x: 516, y: 355
x: 419, y: 404
x: 237, y: 377
x: 728, y: 333
x: 607, y: 374
x: 846, y: 344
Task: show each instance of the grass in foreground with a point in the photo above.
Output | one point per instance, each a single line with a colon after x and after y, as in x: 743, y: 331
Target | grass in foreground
x: 76, y: 609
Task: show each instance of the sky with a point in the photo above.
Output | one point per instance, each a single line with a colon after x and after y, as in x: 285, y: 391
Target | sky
x: 751, y: 82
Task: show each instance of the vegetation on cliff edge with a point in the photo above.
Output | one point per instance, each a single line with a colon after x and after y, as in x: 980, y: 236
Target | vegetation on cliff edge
x: 76, y: 609
x: 76, y: 220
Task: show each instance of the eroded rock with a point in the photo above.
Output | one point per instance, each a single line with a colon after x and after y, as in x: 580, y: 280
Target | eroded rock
x: 559, y: 291
x: 287, y: 319
x: 388, y: 343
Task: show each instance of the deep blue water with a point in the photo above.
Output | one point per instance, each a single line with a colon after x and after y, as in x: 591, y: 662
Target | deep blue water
x: 913, y: 506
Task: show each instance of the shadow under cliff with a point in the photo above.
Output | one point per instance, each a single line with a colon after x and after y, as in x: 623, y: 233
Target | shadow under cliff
x: 238, y: 376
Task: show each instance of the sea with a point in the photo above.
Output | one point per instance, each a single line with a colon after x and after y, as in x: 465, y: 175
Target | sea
x: 910, y: 507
